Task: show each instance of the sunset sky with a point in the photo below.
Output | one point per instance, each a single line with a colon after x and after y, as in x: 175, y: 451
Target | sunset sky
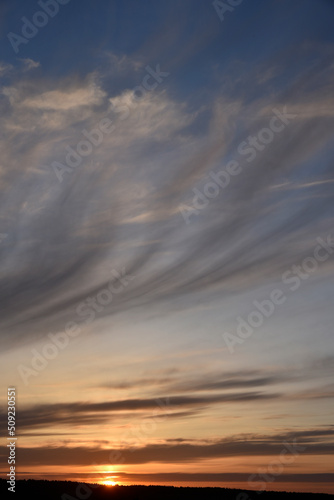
x: 167, y: 241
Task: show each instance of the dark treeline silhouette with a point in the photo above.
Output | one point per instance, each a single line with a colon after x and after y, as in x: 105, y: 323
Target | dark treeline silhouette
x: 68, y: 490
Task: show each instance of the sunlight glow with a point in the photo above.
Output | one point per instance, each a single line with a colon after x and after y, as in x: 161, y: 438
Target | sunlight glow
x: 109, y: 483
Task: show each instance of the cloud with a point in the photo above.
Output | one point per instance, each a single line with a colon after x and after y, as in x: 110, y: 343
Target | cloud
x: 243, y: 445
x: 120, y: 64
x: 63, y: 101
x: 93, y: 413
x: 29, y: 64
x: 59, y: 234
x: 5, y: 68
x: 208, y: 382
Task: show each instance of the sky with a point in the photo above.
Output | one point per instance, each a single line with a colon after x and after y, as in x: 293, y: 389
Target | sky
x: 167, y: 241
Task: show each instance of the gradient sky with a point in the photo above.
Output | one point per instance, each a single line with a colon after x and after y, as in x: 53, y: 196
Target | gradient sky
x: 145, y: 388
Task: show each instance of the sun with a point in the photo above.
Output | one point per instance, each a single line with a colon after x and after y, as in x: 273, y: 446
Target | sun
x: 109, y: 483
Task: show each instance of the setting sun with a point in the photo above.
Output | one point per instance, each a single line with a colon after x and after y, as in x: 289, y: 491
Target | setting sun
x: 109, y: 483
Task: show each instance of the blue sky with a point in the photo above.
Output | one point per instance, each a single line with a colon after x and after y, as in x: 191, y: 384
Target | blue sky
x: 162, y: 170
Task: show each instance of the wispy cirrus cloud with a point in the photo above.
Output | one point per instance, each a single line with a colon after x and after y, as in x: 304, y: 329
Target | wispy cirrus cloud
x: 161, y: 148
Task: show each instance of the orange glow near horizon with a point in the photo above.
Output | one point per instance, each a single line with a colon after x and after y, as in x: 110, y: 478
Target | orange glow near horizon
x: 109, y: 483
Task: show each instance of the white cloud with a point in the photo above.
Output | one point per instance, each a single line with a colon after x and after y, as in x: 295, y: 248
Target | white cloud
x: 154, y: 115
x: 5, y: 68
x: 29, y: 64
x: 121, y: 64
x: 50, y: 109
x: 66, y: 100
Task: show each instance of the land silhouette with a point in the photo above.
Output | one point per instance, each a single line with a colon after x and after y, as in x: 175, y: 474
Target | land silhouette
x: 68, y: 490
